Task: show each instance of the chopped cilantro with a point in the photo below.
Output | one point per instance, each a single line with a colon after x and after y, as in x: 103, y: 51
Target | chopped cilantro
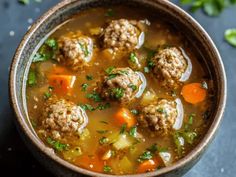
x: 32, y: 78
x: 52, y: 43
x: 111, y: 76
x: 146, y: 69
x: 84, y: 87
x: 94, y: 96
x: 84, y: 48
x: 117, y: 93
x: 133, y: 57
x: 107, y: 169
x: 87, y: 107
x: 133, y: 131
x: 134, y: 87
x: 147, y: 155
x: 57, y: 145
x: 103, y: 106
x: 38, y: 57
x: 109, y: 70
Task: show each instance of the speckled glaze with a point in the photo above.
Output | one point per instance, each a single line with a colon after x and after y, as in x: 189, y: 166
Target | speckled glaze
x: 63, y: 11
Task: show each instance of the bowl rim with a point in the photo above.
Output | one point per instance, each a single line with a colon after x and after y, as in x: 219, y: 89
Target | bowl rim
x: 201, y: 146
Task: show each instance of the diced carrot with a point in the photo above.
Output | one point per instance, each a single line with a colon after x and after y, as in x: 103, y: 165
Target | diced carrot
x: 124, y: 116
x: 90, y: 162
x: 194, y: 93
x: 148, y: 165
x: 61, y: 84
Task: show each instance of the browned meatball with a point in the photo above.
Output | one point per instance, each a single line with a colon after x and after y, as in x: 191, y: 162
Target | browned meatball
x: 159, y: 117
x: 170, y: 65
x: 122, y: 84
x: 122, y: 35
x: 62, y: 116
x: 76, y: 51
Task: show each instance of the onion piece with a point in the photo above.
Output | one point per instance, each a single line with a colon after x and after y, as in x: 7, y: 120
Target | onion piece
x: 179, y: 120
x: 185, y: 76
x: 142, y: 86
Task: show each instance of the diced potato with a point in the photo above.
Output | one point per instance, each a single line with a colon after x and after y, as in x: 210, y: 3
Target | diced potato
x: 125, y: 165
x: 166, y: 158
x: 122, y: 142
x: 71, y: 154
x: 148, y: 97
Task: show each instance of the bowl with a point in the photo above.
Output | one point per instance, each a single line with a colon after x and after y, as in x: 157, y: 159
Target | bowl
x: 63, y: 11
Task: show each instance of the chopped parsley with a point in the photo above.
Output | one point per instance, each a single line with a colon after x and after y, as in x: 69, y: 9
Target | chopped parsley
x: 147, y: 155
x: 103, y: 140
x: 48, y: 94
x: 146, y: 69
x: 87, y: 107
x: 133, y: 131
x: 117, y: 93
x: 107, y: 169
x: 111, y: 76
x: 57, y: 145
x: 134, y: 87
x: 84, y: 48
x: 94, y: 96
x: 103, y: 106
x: 52, y: 43
x: 133, y: 58
x: 31, y: 78
x: 89, y: 77
x: 109, y: 70
x: 84, y: 87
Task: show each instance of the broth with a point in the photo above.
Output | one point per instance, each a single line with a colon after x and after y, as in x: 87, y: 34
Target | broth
x: 104, y: 145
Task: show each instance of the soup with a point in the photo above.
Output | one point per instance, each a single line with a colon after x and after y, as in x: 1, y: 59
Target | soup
x: 117, y: 92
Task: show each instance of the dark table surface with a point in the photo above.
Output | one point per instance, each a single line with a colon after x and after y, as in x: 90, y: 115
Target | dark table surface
x: 15, y: 159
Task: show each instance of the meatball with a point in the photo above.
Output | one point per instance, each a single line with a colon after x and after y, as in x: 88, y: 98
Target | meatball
x: 76, y: 52
x: 169, y: 66
x: 122, y: 35
x: 61, y: 116
x: 121, y: 84
x: 159, y: 117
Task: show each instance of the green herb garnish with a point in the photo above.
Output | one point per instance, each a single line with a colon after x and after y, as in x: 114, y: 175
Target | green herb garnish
x: 84, y: 87
x: 84, y: 48
x: 109, y: 70
x: 204, y: 85
x: 147, y: 155
x: 134, y: 87
x: 146, y: 69
x: 117, y: 93
x: 230, y: 36
x: 107, y: 169
x: 103, y: 106
x: 87, y: 107
x: 133, y: 58
x: 52, y: 43
x: 133, y: 131
x: 57, y: 145
x: 32, y: 78
x: 94, y: 96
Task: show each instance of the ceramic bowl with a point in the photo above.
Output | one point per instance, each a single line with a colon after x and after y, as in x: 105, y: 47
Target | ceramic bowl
x: 63, y: 11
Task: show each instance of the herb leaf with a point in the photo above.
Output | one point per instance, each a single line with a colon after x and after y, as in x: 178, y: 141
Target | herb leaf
x: 147, y: 155
x: 109, y: 70
x: 89, y: 77
x: 32, y: 78
x: 133, y: 131
x: 107, y: 169
x: 94, y: 96
x: 230, y: 36
x: 57, y: 145
x: 84, y: 87
x: 123, y: 128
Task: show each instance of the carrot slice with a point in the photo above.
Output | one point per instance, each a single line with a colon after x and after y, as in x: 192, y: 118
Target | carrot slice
x: 194, y: 93
x: 148, y: 165
x: 90, y: 162
x: 124, y: 116
x: 61, y: 84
